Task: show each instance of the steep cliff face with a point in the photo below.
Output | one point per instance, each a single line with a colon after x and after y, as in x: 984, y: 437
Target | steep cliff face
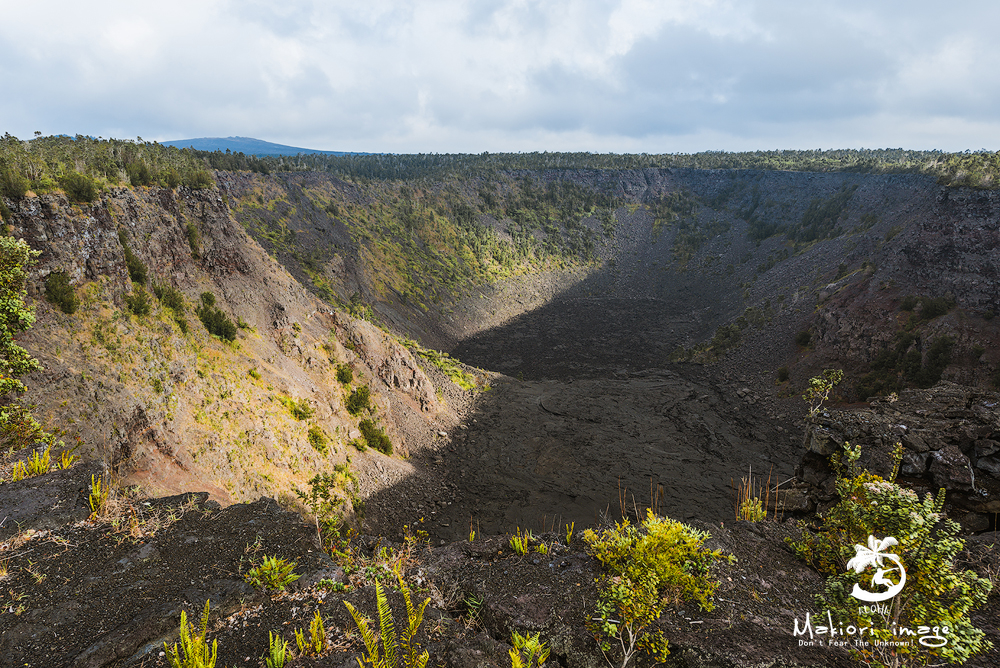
x: 165, y: 404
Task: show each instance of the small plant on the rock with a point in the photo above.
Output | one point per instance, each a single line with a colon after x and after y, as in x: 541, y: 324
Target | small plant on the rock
x: 253, y: 373
x: 169, y: 296
x: 569, y: 532
x: 277, y: 649
x: 214, y: 319
x: 521, y: 542
x: 344, y: 374
x: 648, y: 567
x: 67, y: 459
x: 138, y: 302
x: 385, y: 649
x: 359, y: 400
x: 100, y: 495
x: 273, y: 574
x: 542, y: 548
x: 317, y: 640
x: 318, y: 439
x: 59, y: 292
x: 40, y: 463
x: 19, y: 472
x: 528, y: 651
x: 194, y: 651
x: 749, y: 506
x: 300, y: 409
x: 375, y: 437
x: 935, y: 595
x: 819, y: 389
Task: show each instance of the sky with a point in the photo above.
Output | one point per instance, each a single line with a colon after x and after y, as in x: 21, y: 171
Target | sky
x: 447, y: 76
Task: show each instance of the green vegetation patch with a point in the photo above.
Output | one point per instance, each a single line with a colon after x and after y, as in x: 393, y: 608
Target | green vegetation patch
x: 59, y: 292
x: 214, y: 319
x: 375, y: 437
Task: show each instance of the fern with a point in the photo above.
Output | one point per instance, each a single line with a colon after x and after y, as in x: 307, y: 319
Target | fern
x: 194, y: 651
x: 384, y: 649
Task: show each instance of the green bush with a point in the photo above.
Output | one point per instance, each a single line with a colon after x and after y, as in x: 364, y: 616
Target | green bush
x: 803, y: 338
x: 139, y: 173
x: 783, y: 374
x: 59, y: 292
x: 138, y: 302
x: 5, y: 213
x: 194, y: 239
x: 375, y: 437
x: 13, y: 185
x: 169, y: 296
x: 214, y: 319
x: 318, y: 439
x: 300, y: 409
x: 647, y: 567
x: 199, y: 179
x: 878, y: 513
x: 137, y: 270
x: 79, y: 187
x: 344, y: 374
x: 359, y: 400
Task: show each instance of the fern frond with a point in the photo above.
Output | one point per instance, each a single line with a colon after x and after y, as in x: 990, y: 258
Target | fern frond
x: 368, y: 636
x: 386, y: 625
x: 414, y: 617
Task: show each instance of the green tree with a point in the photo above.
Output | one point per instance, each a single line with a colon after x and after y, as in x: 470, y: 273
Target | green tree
x: 18, y: 428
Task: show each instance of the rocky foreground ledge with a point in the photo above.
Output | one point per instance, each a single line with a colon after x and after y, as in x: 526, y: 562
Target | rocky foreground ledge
x: 88, y: 594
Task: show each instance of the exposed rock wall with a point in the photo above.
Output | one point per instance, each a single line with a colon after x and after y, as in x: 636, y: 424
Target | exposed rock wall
x: 950, y: 439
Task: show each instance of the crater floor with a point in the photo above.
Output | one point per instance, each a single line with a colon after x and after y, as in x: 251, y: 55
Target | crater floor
x: 591, y: 419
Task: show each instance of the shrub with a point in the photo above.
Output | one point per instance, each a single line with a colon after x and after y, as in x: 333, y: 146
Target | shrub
x: 79, y: 187
x: 273, y: 574
x: 344, y: 374
x: 138, y: 302
x: 318, y: 439
x: 199, y: 179
x: 139, y: 173
x: 909, y: 303
x: 935, y: 594
x: 988, y: 315
x: 13, y: 184
x: 5, y: 212
x: 375, y: 437
x: 214, y: 319
x: 803, y: 338
x: 783, y: 374
x: 359, y: 400
x: 137, y: 270
x: 299, y: 408
x: 194, y: 239
x: 663, y: 561
x: 169, y: 296
x: 59, y: 292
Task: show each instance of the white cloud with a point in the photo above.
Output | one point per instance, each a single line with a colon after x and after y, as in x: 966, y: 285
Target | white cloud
x: 468, y: 75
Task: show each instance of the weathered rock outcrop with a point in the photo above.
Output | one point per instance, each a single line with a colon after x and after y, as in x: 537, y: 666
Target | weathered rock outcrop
x: 949, y: 437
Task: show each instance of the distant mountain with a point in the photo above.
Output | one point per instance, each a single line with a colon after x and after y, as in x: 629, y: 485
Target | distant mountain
x: 246, y: 145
